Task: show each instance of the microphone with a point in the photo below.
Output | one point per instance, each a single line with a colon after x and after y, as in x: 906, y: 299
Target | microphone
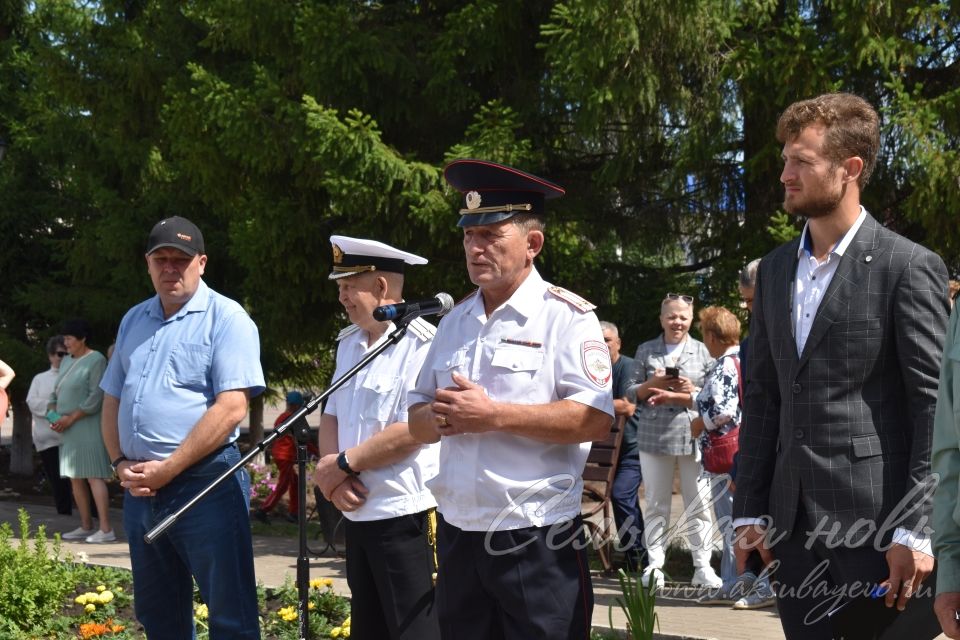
x: 439, y: 305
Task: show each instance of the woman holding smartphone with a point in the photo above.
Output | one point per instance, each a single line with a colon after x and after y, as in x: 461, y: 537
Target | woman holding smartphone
x: 678, y: 363
x: 74, y: 412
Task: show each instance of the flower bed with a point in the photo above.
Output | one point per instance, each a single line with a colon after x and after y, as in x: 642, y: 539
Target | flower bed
x: 44, y: 594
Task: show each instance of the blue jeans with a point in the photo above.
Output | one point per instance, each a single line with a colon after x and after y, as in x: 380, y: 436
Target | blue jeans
x: 625, y: 499
x: 210, y: 543
x: 723, y: 509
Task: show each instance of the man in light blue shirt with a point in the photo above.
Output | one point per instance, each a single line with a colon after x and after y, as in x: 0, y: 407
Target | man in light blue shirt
x: 185, y: 365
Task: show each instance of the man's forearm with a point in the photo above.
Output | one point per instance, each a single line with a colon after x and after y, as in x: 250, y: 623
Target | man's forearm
x: 110, y: 426
x: 210, y: 431
x: 422, y: 424
x: 391, y: 445
x: 559, y: 422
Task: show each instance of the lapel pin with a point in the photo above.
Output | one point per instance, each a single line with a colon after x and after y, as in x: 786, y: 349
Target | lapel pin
x: 868, y: 259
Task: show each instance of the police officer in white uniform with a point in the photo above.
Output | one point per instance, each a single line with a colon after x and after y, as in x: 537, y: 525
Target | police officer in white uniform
x: 515, y: 387
x: 370, y: 466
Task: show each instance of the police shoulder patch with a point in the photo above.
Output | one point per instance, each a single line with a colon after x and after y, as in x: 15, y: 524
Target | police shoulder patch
x: 595, y: 359
x: 573, y: 299
x: 353, y: 328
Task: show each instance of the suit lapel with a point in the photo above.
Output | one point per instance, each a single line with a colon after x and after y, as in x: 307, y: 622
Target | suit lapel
x: 846, y: 290
x: 784, y: 274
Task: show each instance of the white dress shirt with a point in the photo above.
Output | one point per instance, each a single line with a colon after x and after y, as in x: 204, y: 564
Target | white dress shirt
x: 536, y: 348
x: 373, y: 399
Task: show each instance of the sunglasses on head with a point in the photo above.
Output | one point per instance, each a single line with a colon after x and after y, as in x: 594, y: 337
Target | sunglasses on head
x: 679, y: 296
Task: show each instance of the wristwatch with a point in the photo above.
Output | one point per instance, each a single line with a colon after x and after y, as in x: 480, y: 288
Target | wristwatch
x: 344, y: 464
x: 116, y: 463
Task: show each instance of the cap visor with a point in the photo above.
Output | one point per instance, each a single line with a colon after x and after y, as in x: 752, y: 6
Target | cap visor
x: 479, y: 220
x: 190, y: 251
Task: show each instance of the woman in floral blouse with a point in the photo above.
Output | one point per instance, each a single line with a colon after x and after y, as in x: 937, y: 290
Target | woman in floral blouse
x: 718, y: 404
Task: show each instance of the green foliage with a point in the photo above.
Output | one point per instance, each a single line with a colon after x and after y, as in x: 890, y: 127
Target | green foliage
x: 638, y: 603
x: 274, y: 125
x: 782, y: 227
x: 33, y: 579
x: 328, y: 611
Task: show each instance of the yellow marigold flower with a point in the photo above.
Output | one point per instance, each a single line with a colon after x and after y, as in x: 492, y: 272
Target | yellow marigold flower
x: 80, y: 599
x: 90, y: 608
x: 101, y: 587
x: 316, y: 583
x: 346, y: 632
x: 346, y: 623
x: 311, y: 606
x: 202, y: 611
x: 328, y: 582
x: 105, y: 597
x: 335, y: 632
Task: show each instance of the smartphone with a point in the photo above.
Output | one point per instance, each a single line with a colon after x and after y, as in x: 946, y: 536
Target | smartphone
x: 673, y: 372
x: 53, y: 416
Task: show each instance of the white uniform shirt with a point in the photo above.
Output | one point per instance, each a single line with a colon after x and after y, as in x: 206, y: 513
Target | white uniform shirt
x: 374, y: 399
x: 534, y: 349
x: 41, y: 387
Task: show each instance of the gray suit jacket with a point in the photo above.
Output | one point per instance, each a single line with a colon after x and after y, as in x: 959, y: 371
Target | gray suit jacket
x: 846, y: 426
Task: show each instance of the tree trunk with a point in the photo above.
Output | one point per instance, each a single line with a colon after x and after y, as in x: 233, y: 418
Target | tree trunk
x: 256, y: 425
x: 21, y: 449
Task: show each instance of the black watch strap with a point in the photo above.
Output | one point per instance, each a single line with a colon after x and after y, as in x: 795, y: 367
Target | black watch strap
x: 116, y: 463
x: 344, y: 464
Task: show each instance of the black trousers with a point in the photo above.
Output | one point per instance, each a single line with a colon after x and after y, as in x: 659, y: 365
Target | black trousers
x: 523, y: 584
x: 62, y: 494
x: 812, y: 579
x: 390, y: 573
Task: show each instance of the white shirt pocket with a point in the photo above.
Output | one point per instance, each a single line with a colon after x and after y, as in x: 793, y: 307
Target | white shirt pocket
x: 443, y: 371
x: 379, y: 396
x: 515, y: 369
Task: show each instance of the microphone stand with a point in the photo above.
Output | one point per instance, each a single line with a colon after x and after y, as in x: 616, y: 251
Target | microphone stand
x: 303, y: 561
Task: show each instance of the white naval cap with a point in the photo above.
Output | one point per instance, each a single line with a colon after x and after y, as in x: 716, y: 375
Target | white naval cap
x: 356, y: 255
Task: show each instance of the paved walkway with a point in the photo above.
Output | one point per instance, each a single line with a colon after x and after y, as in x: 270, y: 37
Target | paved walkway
x: 276, y: 559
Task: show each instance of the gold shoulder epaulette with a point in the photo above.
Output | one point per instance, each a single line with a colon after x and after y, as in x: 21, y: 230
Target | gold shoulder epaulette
x: 353, y: 328
x: 573, y: 299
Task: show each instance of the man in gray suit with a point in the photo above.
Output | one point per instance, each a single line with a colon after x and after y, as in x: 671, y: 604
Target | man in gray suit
x: 845, y: 346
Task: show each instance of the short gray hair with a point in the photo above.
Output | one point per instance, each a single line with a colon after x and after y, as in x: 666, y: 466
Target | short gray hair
x: 55, y: 344
x: 748, y: 275
x: 609, y: 326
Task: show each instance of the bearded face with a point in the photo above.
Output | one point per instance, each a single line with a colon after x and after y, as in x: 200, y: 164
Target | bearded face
x: 813, y: 184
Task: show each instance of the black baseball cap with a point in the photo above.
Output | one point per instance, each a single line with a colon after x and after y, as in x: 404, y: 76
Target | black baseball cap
x: 178, y: 233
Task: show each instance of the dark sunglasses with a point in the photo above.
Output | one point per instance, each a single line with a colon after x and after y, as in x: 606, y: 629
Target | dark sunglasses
x: 679, y: 296
x: 61, y: 354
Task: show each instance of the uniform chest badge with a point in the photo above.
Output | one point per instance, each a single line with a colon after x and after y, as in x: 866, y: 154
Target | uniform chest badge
x: 596, y: 362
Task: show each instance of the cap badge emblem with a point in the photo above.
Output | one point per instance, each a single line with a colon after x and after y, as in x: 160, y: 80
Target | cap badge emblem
x: 184, y: 237
x: 337, y: 254
x: 473, y: 200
